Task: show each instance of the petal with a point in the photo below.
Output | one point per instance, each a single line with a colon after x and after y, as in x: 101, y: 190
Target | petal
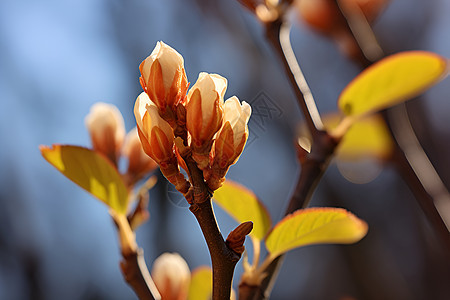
x: 140, y: 108
x: 170, y: 61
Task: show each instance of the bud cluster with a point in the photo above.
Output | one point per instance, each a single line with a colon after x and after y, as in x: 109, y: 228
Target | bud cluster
x: 172, y: 124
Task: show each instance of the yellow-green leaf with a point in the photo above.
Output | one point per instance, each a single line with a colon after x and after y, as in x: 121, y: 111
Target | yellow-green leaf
x: 243, y: 205
x: 91, y: 171
x: 392, y: 80
x: 367, y: 137
x: 201, y: 284
x: 310, y: 226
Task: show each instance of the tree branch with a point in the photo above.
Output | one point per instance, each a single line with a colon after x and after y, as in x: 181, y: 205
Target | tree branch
x: 223, y: 259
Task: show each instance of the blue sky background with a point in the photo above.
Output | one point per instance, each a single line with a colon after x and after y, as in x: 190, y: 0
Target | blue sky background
x: 57, y: 58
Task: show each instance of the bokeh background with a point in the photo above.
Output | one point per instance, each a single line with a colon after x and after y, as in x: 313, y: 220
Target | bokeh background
x: 57, y: 58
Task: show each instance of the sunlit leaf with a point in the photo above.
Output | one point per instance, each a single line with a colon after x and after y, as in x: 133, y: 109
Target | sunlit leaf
x: 392, y: 80
x: 367, y: 137
x: 91, y: 171
x: 243, y: 206
x: 315, y: 226
x: 201, y: 284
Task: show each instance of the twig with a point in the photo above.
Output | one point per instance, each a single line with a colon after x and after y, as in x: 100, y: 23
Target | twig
x: 277, y: 34
x: 136, y: 274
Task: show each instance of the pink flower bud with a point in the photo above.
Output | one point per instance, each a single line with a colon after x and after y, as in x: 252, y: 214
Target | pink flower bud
x: 163, y: 77
x: 139, y: 163
x: 156, y: 134
x: 172, y: 276
x: 107, y: 130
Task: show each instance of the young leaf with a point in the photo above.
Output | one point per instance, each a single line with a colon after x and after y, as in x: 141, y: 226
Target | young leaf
x: 91, y: 171
x: 367, y: 137
x: 243, y: 206
x: 392, y: 80
x: 201, y: 284
x: 315, y: 226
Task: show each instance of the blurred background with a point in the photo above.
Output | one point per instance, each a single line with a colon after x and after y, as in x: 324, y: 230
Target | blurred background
x: 57, y: 58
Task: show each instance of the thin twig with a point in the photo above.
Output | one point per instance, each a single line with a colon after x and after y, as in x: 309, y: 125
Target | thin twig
x: 137, y: 276
x: 294, y: 67
x: 277, y: 34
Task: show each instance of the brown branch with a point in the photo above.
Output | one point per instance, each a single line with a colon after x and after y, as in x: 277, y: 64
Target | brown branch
x: 223, y: 259
x: 136, y: 274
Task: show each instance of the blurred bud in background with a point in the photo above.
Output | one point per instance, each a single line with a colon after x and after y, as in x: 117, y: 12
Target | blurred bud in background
x: 139, y: 163
x: 107, y: 130
x: 172, y: 276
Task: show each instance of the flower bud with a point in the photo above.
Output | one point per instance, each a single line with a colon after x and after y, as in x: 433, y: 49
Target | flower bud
x: 157, y: 140
x: 156, y: 134
x: 107, y: 130
x: 139, y: 163
x: 230, y: 141
x: 163, y: 77
x: 172, y: 276
x: 204, y: 114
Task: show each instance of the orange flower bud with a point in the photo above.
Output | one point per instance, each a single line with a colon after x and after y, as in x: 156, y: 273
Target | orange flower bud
x: 156, y: 134
x: 230, y: 140
x: 139, y: 163
x: 107, y: 130
x: 204, y: 113
x: 163, y: 77
x: 172, y: 276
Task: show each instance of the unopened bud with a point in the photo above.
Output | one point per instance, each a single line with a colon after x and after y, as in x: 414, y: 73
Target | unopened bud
x: 230, y: 140
x: 236, y: 238
x: 107, y: 130
x: 204, y: 114
x: 139, y: 163
x: 163, y: 77
x: 172, y: 276
x: 156, y: 134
